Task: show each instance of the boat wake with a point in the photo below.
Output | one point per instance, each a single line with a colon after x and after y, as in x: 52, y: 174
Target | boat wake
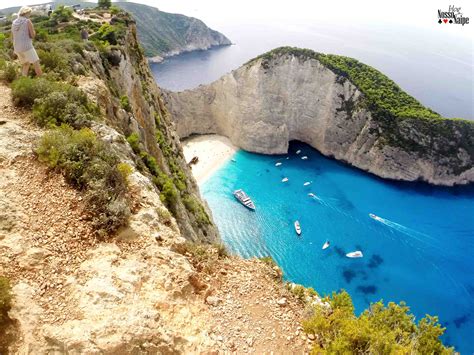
x: 422, y: 237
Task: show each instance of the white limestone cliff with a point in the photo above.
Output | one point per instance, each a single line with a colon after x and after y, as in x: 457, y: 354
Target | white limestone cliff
x: 264, y: 105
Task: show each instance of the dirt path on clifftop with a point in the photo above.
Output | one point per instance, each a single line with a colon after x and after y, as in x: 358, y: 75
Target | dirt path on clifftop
x: 74, y: 293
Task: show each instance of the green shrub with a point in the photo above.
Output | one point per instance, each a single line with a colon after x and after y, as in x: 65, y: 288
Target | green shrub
x: 104, y: 4
x: 26, y: 90
x: 194, y: 206
x: 62, y: 14
x: 5, y: 299
x: 9, y: 72
x: 70, y: 106
x: 150, y: 163
x: 62, y: 56
x: 168, y: 193
x: 106, y: 33
x: 134, y: 141
x: 125, y: 169
x: 55, y: 61
x: 114, y: 10
x: 125, y: 104
x: 89, y: 164
x: 378, y: 330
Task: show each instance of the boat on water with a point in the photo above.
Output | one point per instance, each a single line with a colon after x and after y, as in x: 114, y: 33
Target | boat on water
x: 355, y: 254
x: 304, y: 157
x: 311, y: 195
x: 307, y: 183
x: 297, y: 228
x: 244, y: 199
x: 298, y: 151
x: 373, y: 216
x: 285, y: 179
x: 278, y: 164
x: 233, y: 160
x: 325, y: 245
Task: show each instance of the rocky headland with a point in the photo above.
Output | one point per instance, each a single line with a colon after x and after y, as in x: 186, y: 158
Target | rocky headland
x: 164, y: 34
x: 341, y: 107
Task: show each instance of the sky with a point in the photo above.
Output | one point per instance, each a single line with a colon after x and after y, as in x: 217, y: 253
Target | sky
x: 414, y: 13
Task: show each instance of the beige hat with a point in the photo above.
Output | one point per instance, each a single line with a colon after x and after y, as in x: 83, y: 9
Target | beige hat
x: 25, y: 10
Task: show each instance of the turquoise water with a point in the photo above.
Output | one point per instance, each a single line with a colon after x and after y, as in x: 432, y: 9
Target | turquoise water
x: 421, y: 251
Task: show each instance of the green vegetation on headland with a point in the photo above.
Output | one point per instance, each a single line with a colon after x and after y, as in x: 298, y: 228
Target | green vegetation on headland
x: 163, y: 33
x: 383, y: 94
x: 379, y: 329
x: 397, y: 113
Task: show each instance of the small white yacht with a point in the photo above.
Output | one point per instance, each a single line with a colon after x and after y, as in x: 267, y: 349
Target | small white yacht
x: 355, y: 254
x: 244, y: 199
x: 297, y: 228
x: 307, y: 183
x: 304, y: 157
x: 285, y: 179
x: 278, y: 164
x: 325, y: 245
x: 298, y: 151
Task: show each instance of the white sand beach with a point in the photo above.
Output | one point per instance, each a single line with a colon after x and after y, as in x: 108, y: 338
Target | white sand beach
x: 212, y: 150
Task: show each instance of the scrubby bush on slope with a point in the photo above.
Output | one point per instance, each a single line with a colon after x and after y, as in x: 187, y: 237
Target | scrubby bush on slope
x: 90, y: 165
x: 380, y: 329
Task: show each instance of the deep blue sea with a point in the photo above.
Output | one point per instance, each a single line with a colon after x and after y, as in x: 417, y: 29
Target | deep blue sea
x: 421, y: 251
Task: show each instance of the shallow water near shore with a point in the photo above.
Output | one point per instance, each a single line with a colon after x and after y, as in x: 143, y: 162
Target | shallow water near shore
x: 420, y: 251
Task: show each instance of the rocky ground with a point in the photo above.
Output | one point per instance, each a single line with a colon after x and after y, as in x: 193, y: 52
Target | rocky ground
x: 76, y: 294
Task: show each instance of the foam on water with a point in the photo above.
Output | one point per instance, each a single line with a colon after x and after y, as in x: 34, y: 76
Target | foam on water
x: 420, y: 251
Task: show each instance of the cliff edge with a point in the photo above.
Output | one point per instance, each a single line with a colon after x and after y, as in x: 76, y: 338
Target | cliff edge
x: 343, y: 108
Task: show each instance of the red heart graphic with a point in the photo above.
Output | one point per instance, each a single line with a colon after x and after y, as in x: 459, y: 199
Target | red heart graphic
x: 445, y: 20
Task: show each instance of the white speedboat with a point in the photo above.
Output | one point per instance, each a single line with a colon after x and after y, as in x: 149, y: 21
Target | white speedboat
x: 297, y: 228
x: 373, y: 216
x: 285, y: 179
x: 304, y: 157
x: 311, y: 195
x: 278, y: 164
x: 298, y: 151
x: 355, y: 254
x: 307, y: 183
x: 244, y: 199
x: 325, y: 245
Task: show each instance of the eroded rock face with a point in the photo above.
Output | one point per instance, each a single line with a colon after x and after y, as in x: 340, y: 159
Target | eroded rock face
x: 264, y: 105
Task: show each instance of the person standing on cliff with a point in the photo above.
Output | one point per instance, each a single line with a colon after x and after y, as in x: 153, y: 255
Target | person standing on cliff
x: 23, y: 33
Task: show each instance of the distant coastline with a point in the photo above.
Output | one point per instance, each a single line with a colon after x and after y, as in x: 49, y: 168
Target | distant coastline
x: 160, y: 58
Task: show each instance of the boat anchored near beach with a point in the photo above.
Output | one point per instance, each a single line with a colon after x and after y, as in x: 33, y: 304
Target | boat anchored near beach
x: 298, y: 151
x: 278, y: 164
x: 355, y: 254
x: 297, y: 228
x: 244, y: 199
